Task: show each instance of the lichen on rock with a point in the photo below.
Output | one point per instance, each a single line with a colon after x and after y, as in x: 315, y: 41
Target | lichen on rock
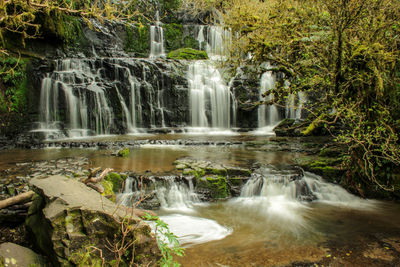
x: 67, y: 219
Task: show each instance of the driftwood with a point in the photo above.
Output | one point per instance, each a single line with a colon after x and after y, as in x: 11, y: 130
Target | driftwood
x: 93, y: 172
x: 98, y: 187
x: 97, y: 179
x: 19, y: 199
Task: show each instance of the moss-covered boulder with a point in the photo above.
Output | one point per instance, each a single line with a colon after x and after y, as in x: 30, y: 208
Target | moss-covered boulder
x: 68, y: 220
x: 187, y: 53
x: 328, y: 168
x: 124, y: 152
x: 217, y: 186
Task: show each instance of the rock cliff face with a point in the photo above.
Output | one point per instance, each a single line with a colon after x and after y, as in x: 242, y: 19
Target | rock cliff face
x: 101, y: 78
x: 70, y: 220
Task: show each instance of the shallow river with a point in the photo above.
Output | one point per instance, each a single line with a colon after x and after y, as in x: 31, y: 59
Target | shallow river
x: 266, y: 225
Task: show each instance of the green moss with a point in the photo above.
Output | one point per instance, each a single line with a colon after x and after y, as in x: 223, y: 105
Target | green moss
x: 187, y: 53
x: 236, y: 181
x: 137, y: 39
x: 124, y: 152
x: 109, y: 190
x: 222, y: 172
x: 64, y: 27
x: 217, y: 185
x: 116, y: 180
x: 173, y: 36
x: 14, y: 84
x: 190, y: 42
x: 196, y: 173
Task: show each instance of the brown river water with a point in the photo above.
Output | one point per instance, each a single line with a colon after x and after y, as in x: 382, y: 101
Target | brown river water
x: 268, y: 228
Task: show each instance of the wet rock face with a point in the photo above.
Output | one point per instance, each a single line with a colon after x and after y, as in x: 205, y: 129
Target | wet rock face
x: 111, y: 95
x: 68, y: 219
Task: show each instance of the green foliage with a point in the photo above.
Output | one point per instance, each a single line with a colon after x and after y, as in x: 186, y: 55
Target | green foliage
x: 137, y: 39
x: 124, y: 152
x: 342, y: 53
x: 13, y: 85
x: 173, y: 34
x: 116, y: 180
x: 187, y: 53
x: 64, y: 27
x: 167, y: 242
x: 168, y: 6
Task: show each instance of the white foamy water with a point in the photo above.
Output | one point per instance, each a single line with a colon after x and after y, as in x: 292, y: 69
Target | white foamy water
x: 192, y: 230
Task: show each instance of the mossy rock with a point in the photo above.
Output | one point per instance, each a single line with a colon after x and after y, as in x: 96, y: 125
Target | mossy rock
x: 173, y: 34
x: 64, y: 27
x: 137, y: 39
x: 187, y: 53
x: 116, y: 180
x: 216, y: 185
x: 124, y: 152
x: 236, y: 181
x: 328, y: 168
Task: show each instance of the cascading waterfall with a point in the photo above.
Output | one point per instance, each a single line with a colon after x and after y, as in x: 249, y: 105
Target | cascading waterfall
x: 294, y: 105
x: 210, y: 99
x: 177, y: 196
x: 83, y: 97
x: 62, y: 86
x: 218, y: 42
x: 156, y: 40
x: 268, y: 115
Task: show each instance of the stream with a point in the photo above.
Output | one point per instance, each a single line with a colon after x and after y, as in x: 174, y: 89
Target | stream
x: 271, y: 223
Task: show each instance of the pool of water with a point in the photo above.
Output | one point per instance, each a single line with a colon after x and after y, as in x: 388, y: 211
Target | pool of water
x: 264, y: 229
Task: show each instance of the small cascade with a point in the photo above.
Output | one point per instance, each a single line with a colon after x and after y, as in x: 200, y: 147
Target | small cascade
x: 301, y: 188
x: 177, y: 196
x: 219, y: 42
x: 156, y: 40
x: 268, y: 115
x: 209, y: 97
x: 294, y: 105
x: 302, y: 97
x: 200, y: 37
x: 131, y: 193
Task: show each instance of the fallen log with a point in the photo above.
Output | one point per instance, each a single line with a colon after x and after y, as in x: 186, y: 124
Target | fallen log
x: 97, y: 179
x: 21, y: 198
x: 99, y: 188
x: 93, y: 172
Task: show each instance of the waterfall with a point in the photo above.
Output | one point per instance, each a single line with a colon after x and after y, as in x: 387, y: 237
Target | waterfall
x: 177, y: 196
x: 200, y: 37
x: 131, y: 193
x: 218, y: 42
x: 209, y: 97
x: 282, y: 186
x: 302, y: 97
x: 60, y: 94
x: 295, y: 104
x: 267, y: 114
x: 211, y: 102
x: 156, y: 40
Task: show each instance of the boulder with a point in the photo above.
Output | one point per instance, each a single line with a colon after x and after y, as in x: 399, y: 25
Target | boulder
x: 71, y: 222
x: 15, y: 255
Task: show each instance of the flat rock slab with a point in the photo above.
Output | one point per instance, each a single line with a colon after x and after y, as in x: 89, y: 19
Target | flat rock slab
x: 66, y: 192
x: 16, y: 255
x: 67, y: 218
